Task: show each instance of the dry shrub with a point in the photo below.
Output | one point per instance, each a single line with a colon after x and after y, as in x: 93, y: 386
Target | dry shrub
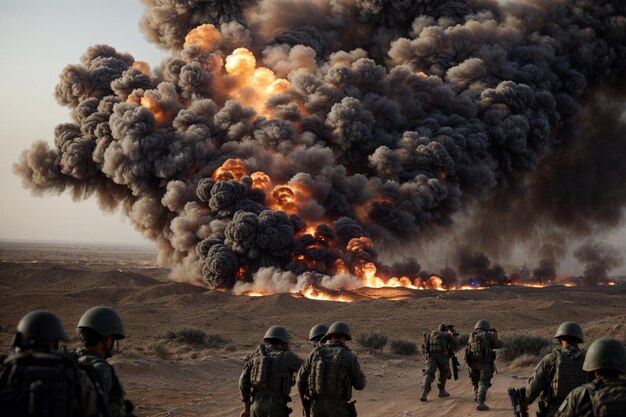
x: 403, y: 347
x: 518, y: 344
x: 216, y: 341
x: 185, y: 334
x: 372, y: 340
x: 157, y: 348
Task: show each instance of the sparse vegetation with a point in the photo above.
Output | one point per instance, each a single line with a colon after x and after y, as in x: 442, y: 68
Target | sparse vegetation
x: 518, y: 344
x: 157, y: 348
x: 372, y: 340
x: 403, y: 347
x: 185, y: 334
x: 216, y: 341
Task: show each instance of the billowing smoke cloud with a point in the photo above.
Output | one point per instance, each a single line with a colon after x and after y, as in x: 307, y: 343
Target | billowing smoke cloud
x: 599, y: 259
x: 302, y: 135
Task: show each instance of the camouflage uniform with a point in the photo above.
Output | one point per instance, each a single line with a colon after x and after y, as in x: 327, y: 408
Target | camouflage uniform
x: 442, y: 346
x: 482, y: 367
x: 541, y: 382
x: 108, y: 381
x: 272, y: 403
x: 579, y: 401
x: 336, y: 404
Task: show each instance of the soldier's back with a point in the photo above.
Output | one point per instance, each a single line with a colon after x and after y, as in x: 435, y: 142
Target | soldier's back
x: 46, y: 383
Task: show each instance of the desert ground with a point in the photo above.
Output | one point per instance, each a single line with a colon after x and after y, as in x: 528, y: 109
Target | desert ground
x: 168, y: 378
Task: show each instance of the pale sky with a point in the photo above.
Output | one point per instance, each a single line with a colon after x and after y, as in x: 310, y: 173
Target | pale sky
x: 37, y: 40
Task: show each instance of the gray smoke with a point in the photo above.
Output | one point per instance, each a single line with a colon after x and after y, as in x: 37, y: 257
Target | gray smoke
x: 400, y: 115
x: 599, y: 259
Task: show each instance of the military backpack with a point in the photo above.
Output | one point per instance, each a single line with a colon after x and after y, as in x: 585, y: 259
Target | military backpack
x: 267, y: 372
x: 568, y: 373
x: 478, y: 348
x: 328, y: 377
x: 609, y: 400
x: 437, y: 342
x: 38, y: 384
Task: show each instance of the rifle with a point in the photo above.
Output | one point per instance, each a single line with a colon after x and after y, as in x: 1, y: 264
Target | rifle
x: 455, y: 366
x: 518, y: 399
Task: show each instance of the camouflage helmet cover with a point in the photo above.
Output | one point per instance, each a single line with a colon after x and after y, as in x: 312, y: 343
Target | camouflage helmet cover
x: 38, y: 328
x: 340, y: 328
x: 103, y: 320
x: 570, y: 329
x: 277, y: 332
x: 442, y: 327
x: 605, y: 353
x: 317, y: 331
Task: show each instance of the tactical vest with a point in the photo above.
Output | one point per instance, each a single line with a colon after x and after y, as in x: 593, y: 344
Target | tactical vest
x: 115, y: 397
x: 268, y: 373
x: 38, y: 384
x: 437, y: 342
x: 478, y: 347
x: 329, y: 374
x: 609, y: 400
x: 568, y: 373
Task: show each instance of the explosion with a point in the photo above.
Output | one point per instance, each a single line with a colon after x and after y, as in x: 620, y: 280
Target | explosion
x: 282, y: 151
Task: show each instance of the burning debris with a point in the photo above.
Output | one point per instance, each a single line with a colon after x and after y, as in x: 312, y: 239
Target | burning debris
x: 275, y: 151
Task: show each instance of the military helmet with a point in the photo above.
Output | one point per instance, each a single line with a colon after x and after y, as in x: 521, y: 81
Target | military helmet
x: 38, y: 328
x: 605, y: 353
x: 103, y: 320
x: 442, y: 327
x: 570, y: 329
x: 317, y: 331
x: 340, y: 327
x: 482, y: 324
x: 277, y: 332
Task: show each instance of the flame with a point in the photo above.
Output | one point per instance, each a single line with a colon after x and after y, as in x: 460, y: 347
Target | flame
x: 233, y: 168
x: 205, y: 37
x: 158, y: 112
x: 319, y: 294
x: 261, y: 181
x: 285, y: 198
x: 142, y: 66
x: 253, y: 85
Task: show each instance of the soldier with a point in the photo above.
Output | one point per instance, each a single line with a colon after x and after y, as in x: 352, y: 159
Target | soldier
x: 40, y: 380
x: 99, y: 328
x: 559, y: 371
x: 440, y: 345
x: 480, y: 357
x: 329, y: 374
x: 605, y: 396
x: 268, y: 376
x: 317, y: 332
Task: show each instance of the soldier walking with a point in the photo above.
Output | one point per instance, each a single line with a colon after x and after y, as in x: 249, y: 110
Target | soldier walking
x: 480, y: 358
x: 99, y: 329
x: 40, y: 380
x: 605, y: 396
x: 268, y: 376
x: 559, y: 372
x: 329, y: 374
x: 439, y: 346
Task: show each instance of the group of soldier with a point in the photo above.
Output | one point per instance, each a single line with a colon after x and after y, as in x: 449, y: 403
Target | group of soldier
x: 41, y: 379
x: 325, y: 379
x: 571, y: 382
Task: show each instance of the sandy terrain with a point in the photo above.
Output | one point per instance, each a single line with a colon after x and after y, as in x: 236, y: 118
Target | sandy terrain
x: 187, y: 380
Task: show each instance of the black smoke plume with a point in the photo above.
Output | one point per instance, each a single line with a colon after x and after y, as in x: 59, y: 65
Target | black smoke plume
x: 393, y: 116
x: 599, y: 259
